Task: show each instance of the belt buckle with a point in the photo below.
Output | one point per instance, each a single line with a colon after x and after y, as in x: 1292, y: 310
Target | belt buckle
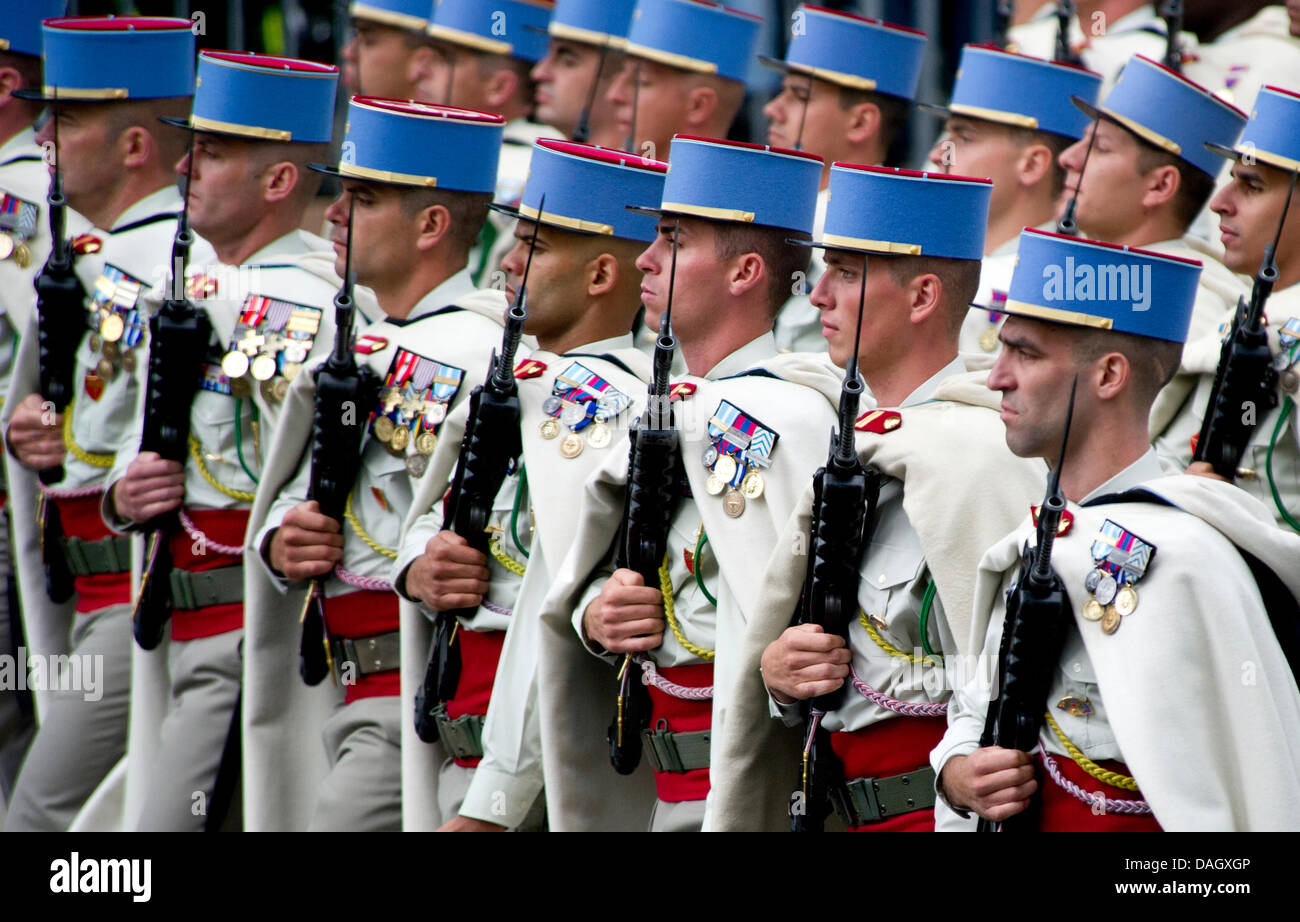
x: 374, y: 662
x: 861, y: 797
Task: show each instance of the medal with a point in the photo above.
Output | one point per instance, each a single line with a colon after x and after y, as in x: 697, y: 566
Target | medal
x: 710, y: 457
x: 573, y: 414
x: 384, y: 429
x: 268, y: 389
x: 235, y: 365
x: 392, y: 398
x: 6, y: 246
x: 1092, y: 610
x: 551, y: 405
x: 1290, y: 381
x: 401, y: 438
x: 549, y: 428
x: 416, y: 465
x: 112, y: 327
x: 733, y: 504
x: 128, y: 360
x: 1106, y: 588
x: 436, y: 412
x: 989, y: 339
x: 1110, y: 620
x: 104, y: 368
x: 1091, y: 580
x: 599, y: 435
x: 1126, y: 601
x: 725, y: 468
x: 1075, y: 706
x: 752, y: 485
x: 112, y: 351
x: 290, y: 370
x: 95, y: 342
x: 713, y: 486
x: 425, y: 443
x: 22, y: 256
x: 263, y: 368
x: 241, y: 388
x: 571, y: 445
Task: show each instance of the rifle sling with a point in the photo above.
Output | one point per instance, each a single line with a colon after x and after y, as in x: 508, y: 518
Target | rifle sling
x: 1282, y: 607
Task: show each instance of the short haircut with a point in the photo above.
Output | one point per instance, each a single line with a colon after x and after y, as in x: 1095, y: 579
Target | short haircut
x: 1056, y: 143
x: 1153, y: 362
x: 1195, y: 186
x: 30, y: 73
x: 300, y: 154
x: 145, y: 113
x: 488, y: 64
x: 960, y: 279
x: 781, y: 258
x: 894, y: 111
x: 468, y: 212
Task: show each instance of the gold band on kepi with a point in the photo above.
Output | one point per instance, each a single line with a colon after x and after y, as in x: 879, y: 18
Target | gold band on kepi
x: 353, y: 171
x: 995, y: 115
x: 890, y: 247
x: 679, y: 61
x: 199, y: 123
x: 469, y: 39
x: 839, y: 78
x: 388, y: 17
x: 4, y: 44
x: 578, y: 224
x: 1265, y: 157
x: 71, y: 94
x: 707, y: 211
x: 1057, y: 315
x: 587, y: 36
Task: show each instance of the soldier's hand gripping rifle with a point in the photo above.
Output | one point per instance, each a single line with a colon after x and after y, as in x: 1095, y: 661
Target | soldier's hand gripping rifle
x: 490, y: 446
x: 60, y: 310
x: 1033, y: 633
x: 653, y: 472
x: 1245, y: 377
x: 179, y: 335
x: 344, y: 394
x: 1171, y: 11
x: 845, y: 493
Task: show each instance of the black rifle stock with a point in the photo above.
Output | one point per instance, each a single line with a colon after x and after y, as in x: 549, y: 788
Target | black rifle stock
x: 1065, y: 14
x: 491, y: 444
x: 845, y: 493
x: 345, y: 392
x: 653, y: 471
x: 1171, y: 11
x: 1033, y: 634
x: 1003, y: 13
x: 179, y: 334
x: 1245, y: 381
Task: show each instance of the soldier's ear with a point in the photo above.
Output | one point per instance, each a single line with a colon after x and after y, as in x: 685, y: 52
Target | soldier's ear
x: 10, y: 80
x: 602, y: 275
x: 701, y: 104
x: 1034, y: 164
x: 420, y: 67
x: 925, y: 297
x: 279, y: 181
x: 1162, y: 185
x: 432, y: 226
x: 137, y: 147
x: 863, y: 122
x: 501, y: 87
x: 1111, y: 375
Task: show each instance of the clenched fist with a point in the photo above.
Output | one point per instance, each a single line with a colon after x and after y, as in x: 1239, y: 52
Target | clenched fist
x: 627, y: 616
x: 805, y: 662
x: 449, y: 574
x: 994, y: 782
x: 36, y: 434
x: 151, y: 487
x: 307, y: 544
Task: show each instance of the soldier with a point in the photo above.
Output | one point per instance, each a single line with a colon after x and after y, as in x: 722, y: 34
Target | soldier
x: 684, y: 72
x: 728, y: 210
x: 583, y: 293
x: 485, y: 51
x: 113, y: 79
x: 412, y: 240
x: 1146, y: 178
x: 1251, y: 209
x: 1262, y: 51
x: 25, y: 243
x: 1163, y: 581
x: 846, y: 96
x: 1010, y: 119
x: 388, y: 53
x: 266, y: 288
x: 934, y: 515
x: 584, y: 56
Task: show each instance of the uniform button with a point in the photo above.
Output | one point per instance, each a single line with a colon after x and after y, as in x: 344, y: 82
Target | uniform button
x: 1077, y: 667
x: 881, y: 578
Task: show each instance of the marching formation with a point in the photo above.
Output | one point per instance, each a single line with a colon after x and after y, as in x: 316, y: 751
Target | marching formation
x: 593, y: 470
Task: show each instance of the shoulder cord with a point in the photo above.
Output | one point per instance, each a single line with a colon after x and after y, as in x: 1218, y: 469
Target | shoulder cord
x: 1288, y: 404
x: 650, y: 676
x: 907, y: 709
x: 230, y: 550
x: 85, y: 457
x: 699, y: 577
x: 889, y: 648
x: 363, y: 534
x: 670, y: 613
x: 196, y: 452
x: 1114, y: 779
x: 371, y: 583
x: 1107, y: 804
x: 239, y: 434
x: 500, y: 556
x: 520, y: 493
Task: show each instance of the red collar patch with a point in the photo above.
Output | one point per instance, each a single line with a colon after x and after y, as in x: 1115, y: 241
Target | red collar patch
x: 1063, y: 527
x: 369, y: 345
x: 529, y: 368
x: 86, y: 243
x: 879, y: 422
x: 681, y: 391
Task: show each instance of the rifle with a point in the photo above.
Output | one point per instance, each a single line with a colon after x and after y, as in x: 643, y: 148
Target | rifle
x: 653, y: 472
x: 490, y: 447
x: 1033, y: 634
x: 1171, y: 11
x: 1245, y: 374
x: 582, y: 131
x: 1002, y: 16
x: 845, y: 494
x: 1065, y: 13
x: 343, y: 389
x: 60, y: 323
x: 1067, y: 223
x: 179, y: 335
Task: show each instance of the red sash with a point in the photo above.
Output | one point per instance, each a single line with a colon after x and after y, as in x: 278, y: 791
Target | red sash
x: 682, y: 716
x: 81, y: 519
x: 363, y: 614
x: 891, y: 747
x: 224, y: 526
x: 480, y: 651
